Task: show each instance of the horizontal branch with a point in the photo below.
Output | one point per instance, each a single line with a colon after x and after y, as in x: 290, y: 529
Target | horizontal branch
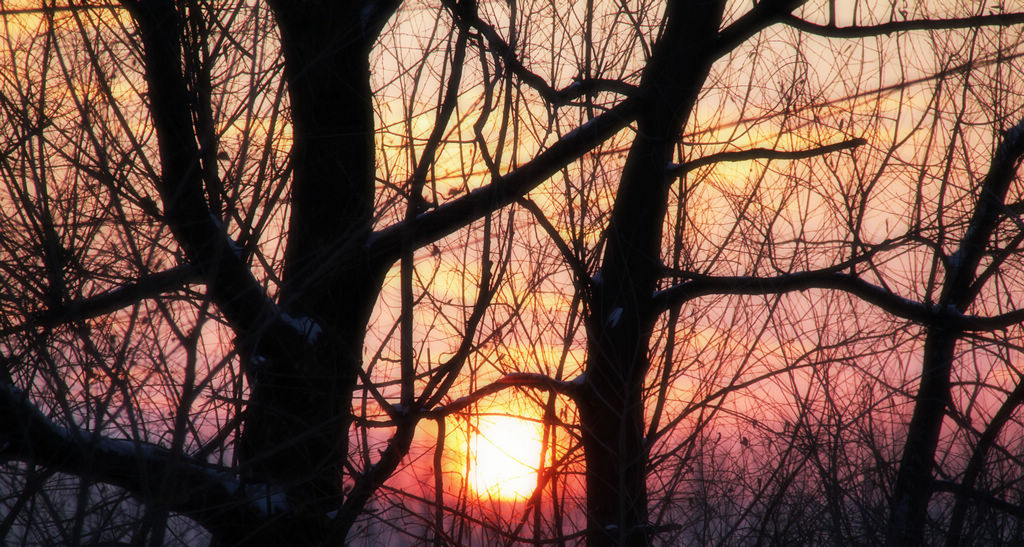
x: 833, y: 278
x: 679, y: 170
x: 865, y: 31
x: 980, y: 497
x: 995, y: 322
x: 520, y: 380
x: 830, y: 278
x: 590, y: 86
x: 208, y: 495
x: 150, y: 286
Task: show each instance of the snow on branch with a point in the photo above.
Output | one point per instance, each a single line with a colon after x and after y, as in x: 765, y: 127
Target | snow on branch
x: 304, y: 326
x: 211, y: 496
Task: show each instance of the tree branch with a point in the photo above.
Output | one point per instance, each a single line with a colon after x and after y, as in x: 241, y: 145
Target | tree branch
x: 208, y: 495
x: 579, y: 269
x: 515, y: 380
x: 979, y: 496
x: 468, y: 18
x: 962, y: 265
x: 977, y: 463
x: 865, y: 31
x: 830, y: 278
x: 503, y: 190
x: 968, y: 322
x: 762, y: 153
x: 110, y: 301
x: 762, y: 16
x: 235, y: 290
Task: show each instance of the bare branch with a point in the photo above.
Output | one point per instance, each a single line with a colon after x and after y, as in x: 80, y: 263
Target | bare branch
x: 579, y: 269
x: 999, y: 20
x: 211, y: 496
x: 762, y: 16
x: 980, y: 323
x: 763, y: 153
x: 698, y: 286
x: 503, y: 190
x: 981, y: 497
x: 521, y: 380
x: 110, y: 301
x: 466, y: 18
x: 232, y: 285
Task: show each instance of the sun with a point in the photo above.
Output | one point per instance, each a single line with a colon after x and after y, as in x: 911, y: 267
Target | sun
x: 503, y: 455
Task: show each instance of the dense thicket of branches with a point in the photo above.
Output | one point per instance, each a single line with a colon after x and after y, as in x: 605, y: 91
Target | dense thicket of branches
x: 755, y: 269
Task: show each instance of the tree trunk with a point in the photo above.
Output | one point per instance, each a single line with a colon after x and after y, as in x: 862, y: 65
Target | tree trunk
x: 611, y: 412
x: 909, y: 505
x: 622, y: 314
x: 296, y: 428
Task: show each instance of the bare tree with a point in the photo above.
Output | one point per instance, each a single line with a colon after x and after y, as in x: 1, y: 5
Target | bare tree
x: 249, y: 250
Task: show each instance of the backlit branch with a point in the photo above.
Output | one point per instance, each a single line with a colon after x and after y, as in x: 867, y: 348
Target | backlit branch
x: 110, y: 301
x: 579, y: 269
x: 368, y: 483
x: 442, y: 380
x: 521, y: 380
x: 183, y: 484
x: 977, y: 463
x: 698, y: 286
x: 764, y: 14
x: 503, y: 190
x: 865, y: 31
x: 762, y: 153
x: 234, y: 288
x: 468, y: 18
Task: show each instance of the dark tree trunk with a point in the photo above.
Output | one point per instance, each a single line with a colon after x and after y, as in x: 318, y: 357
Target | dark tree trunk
x: 296, y: 429
x: 622, y: 314
x: 909, y: 506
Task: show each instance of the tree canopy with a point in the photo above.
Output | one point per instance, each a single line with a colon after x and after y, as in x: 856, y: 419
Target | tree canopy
x: 728, y: 272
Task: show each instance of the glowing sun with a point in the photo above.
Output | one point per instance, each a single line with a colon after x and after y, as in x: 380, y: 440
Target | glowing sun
x: 503, y: 455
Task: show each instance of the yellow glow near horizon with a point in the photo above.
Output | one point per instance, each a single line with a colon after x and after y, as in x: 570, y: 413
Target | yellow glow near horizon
x: 504, y: 452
